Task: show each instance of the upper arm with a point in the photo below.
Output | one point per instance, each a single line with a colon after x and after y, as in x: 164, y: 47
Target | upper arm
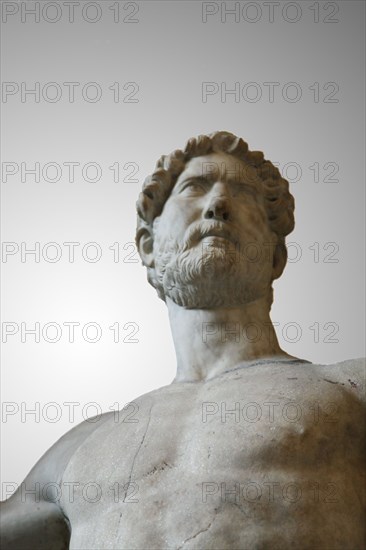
x: 29, y: 525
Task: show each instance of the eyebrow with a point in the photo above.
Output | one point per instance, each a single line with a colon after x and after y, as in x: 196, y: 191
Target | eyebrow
x: 199, y: 179
x: 211, y: 177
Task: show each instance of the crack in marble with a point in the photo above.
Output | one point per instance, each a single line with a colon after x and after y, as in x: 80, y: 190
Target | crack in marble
x: 196, y: 535
x: 137, y: 452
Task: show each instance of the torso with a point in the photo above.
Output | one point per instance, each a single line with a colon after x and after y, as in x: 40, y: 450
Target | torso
x: 285, y: 470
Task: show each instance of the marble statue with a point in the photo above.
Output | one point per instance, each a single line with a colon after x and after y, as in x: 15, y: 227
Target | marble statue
x: 249, y: 447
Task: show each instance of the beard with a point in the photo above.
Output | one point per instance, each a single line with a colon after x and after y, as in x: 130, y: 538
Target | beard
x: 204, y: 274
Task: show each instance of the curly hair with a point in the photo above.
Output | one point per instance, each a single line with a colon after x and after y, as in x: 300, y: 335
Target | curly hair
x: 279, y: 203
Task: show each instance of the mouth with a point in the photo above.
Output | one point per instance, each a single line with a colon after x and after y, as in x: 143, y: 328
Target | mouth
x: 218, y: 235
x: 213, y: 234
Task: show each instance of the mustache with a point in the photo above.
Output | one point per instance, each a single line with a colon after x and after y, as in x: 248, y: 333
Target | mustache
x: 200, y: 230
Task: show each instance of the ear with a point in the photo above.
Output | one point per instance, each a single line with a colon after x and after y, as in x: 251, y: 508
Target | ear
x: 279, y: 260
x: 145, y: 243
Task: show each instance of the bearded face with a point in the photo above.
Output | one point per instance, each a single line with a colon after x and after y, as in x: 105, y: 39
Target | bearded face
x: 212, y: 245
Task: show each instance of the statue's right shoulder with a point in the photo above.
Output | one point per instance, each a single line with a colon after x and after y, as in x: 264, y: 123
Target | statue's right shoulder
x: 48, y: 470
x: 32, y: 517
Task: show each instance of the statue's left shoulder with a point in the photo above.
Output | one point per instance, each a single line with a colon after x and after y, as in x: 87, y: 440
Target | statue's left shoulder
x: 351, y: 374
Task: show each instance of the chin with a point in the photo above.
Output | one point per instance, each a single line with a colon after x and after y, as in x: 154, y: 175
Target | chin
x: 216, y: 279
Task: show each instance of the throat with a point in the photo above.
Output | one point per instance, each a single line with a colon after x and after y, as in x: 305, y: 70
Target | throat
x: 210, y: 342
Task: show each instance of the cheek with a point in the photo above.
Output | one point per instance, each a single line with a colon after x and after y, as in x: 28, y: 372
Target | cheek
x: 254, y: 215
x: 177, y: 216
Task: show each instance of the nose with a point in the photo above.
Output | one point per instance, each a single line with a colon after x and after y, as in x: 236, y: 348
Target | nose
x: 218, y: 206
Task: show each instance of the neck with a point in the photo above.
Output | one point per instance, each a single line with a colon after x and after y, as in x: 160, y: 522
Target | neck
x: 209, y: 342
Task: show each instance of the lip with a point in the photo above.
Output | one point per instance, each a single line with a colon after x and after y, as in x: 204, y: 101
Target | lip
x: 223, y: 235
x: 215, y: 237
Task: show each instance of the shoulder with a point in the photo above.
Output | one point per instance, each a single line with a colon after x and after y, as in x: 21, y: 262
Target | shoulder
x: 352, y: 371
x: 45, y: 476
x: 32, y: 517
x: 349, y: 374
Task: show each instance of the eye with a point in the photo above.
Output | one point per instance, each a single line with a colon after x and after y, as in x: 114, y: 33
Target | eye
x: 192, y: 186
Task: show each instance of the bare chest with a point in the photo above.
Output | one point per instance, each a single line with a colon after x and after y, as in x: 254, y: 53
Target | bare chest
x: 219, y: 466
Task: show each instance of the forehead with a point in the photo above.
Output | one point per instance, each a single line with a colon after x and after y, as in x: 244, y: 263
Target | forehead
x: 220, y: 164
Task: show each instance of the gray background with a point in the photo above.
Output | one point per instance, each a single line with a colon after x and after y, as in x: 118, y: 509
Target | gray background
x: 169, y: 51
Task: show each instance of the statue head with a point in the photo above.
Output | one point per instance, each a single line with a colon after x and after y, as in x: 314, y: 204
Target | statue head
x: 212, y: 221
